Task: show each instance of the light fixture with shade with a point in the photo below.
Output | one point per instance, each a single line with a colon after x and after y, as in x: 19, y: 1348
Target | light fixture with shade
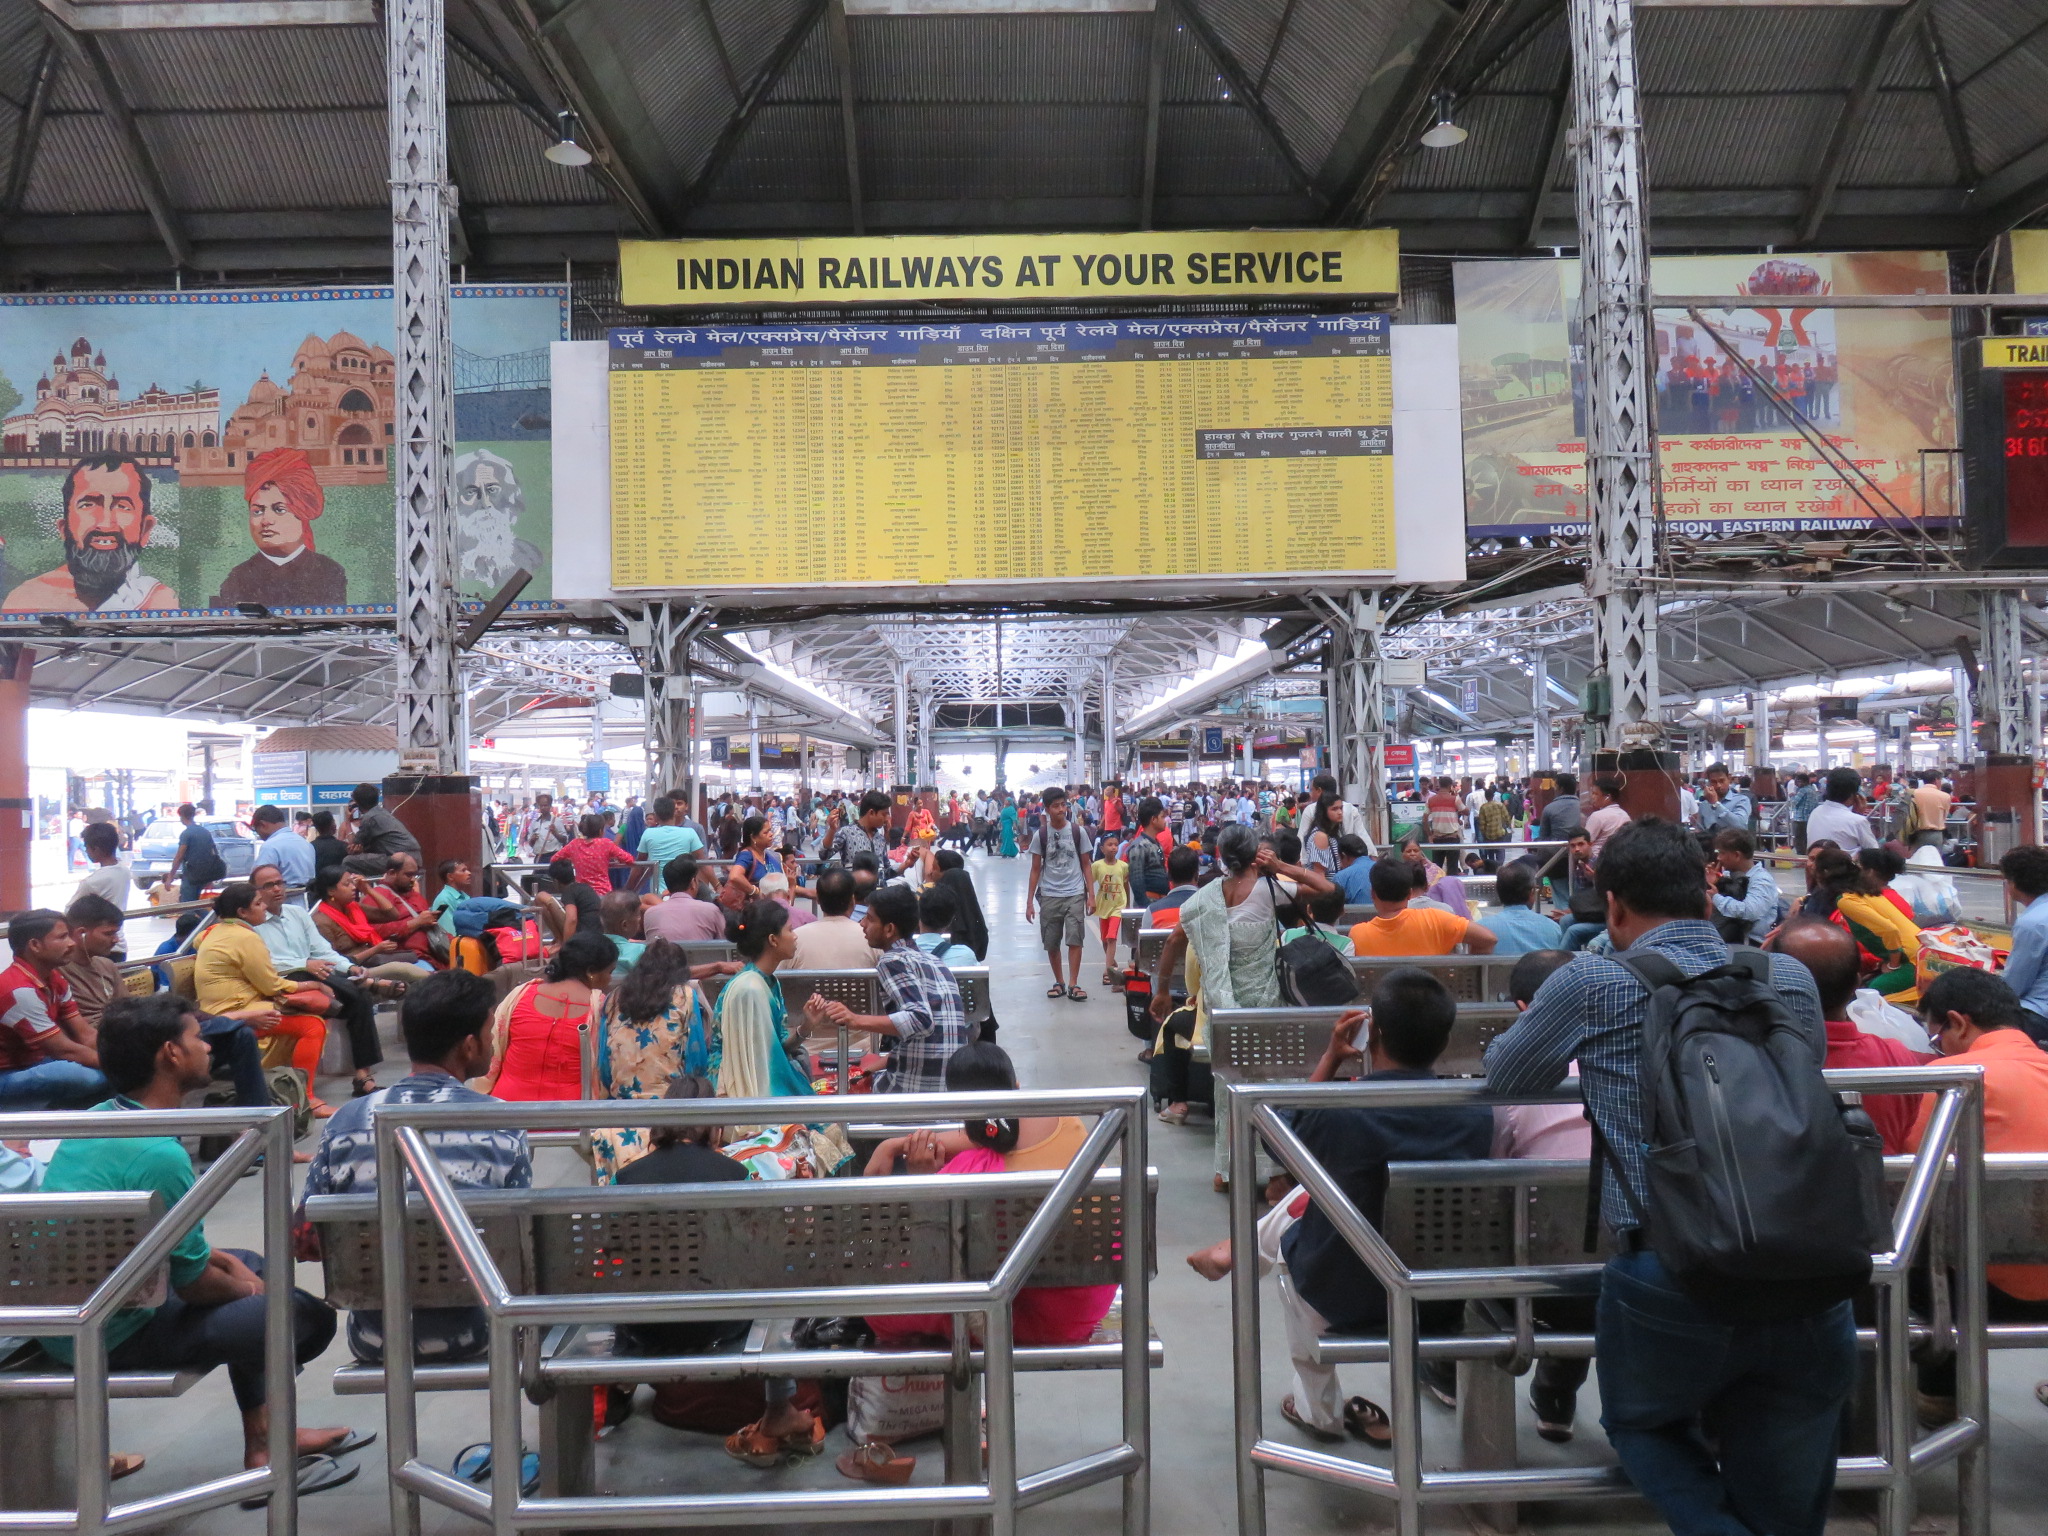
x: 1444, y: 133
x: 569, y: 152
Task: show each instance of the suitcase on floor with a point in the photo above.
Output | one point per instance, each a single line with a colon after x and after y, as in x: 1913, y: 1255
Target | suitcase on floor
x: 1138, y: 1004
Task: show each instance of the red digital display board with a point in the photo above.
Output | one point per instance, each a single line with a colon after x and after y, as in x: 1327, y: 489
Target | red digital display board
x: 2026, y: 458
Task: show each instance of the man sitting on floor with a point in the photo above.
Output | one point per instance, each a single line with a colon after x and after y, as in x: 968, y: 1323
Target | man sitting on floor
x: 446, y: 1018
x: 153, y: 1055
x: 1325, y: 1286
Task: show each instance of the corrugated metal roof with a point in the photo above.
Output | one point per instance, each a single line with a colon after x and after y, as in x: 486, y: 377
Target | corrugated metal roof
x: 1215, y: 150
x: 225, y: 68
x: 1753, y: 50
x: 1331, y: 49
x: 333, y: 159
x: 499, y: 149
x: 1756, y: 141
x: 1903, y: 144
x: 1087, y: 60
x: 753, y: 29
x: 1001, y: 150
x: 790, y: 150
x: 811, y: 75
x: 669, y: 61
x: 1508, y: 146
x: 1247, y: 28
x: 80, y: 169
x: 2004, y: 104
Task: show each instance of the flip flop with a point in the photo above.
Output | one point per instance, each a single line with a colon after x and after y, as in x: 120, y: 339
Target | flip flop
x: 473, y: 1464
x: 1313, y: 1431
x: 354, y: 1440
x: 317, y: 1474
x: 1368, y: 1421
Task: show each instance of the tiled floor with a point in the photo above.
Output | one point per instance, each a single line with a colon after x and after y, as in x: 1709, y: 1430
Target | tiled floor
x: 1054, y: 1044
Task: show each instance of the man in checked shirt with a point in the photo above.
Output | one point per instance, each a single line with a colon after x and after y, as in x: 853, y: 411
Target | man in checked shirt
x: 925, y: 1020
x: 1770, y: 1394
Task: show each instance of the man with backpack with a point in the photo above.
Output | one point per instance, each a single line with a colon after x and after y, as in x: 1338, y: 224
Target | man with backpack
x: 1743, y: 1198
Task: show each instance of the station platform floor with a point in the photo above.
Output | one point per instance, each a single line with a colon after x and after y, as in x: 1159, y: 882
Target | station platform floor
x: 1063, y: 1044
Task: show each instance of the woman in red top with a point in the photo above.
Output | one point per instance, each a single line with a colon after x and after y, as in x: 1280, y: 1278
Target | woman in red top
x: 592, y: 854
x: 538, y: 1042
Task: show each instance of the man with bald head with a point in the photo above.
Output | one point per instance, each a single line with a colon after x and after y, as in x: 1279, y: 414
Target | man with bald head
x: 1830, y: 954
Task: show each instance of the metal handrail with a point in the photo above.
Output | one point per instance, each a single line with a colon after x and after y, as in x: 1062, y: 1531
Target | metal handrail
x: 1956, y: 1130
x: 403, y: 1148
x: 259, y: 1134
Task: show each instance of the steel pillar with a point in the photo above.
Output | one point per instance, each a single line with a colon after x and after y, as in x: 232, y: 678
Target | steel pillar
x: 1614, y: 290
x: 927, y: 756
x: 429, y: 671
x: 1108, y: 764
x: 1077, y: 754
x: 1966, y: 711
x: 663, y: 651
x: 753, y: 742
x: 905, y: 773
x: 2011, y: 708
x: 1356, y: 705
x: 1539, y: 711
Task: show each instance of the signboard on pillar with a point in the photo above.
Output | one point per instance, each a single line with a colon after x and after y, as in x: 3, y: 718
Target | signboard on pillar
x: 1401, y: 754
x: 2005, y: 451
x: 597, y: 777
x: 1212, y: 740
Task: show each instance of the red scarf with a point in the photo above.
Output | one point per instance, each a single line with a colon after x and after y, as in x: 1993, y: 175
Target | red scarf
x: 351, y: 921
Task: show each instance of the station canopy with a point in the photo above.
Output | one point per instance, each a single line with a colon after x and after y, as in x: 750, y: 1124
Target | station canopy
x: 185, y: 141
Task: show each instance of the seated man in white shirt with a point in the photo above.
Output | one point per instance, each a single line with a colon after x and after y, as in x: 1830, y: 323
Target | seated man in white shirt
x: 835, y: 942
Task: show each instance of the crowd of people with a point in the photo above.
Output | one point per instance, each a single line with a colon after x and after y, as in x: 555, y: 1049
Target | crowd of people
x: 1582, y: 894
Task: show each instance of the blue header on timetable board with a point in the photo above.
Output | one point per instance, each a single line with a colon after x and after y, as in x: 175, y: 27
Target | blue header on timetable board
x: 646, y: 346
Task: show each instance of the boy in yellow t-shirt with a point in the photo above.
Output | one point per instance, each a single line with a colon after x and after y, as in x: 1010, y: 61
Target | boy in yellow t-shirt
x: 1112, y: 895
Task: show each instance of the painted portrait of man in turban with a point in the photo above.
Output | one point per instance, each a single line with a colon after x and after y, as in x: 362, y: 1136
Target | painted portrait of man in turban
x: 286, y: 571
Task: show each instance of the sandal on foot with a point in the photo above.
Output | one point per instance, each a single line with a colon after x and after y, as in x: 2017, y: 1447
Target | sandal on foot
x: 354, y: 1440
x: 363, y: 1087
x: 1057, y: 989
x: 1368, y: 1421
x: 1174, y: 1116
x: 1077, y: 994
x: 316, y: 1475
x: 1313, y: 1431
x: 876, y: 1461
x: 755, y: 1446
x: 320, y: 1108
x: 805, y: 1442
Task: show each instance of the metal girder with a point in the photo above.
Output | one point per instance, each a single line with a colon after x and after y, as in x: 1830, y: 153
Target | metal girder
x: 1155, y: 93
x: 849, y: 109
x: 1553, y: 161
x: 2013, y: 708
x: 1614, y: 291
x: 1952, y: 120
x: 1356, y: 702
x: 187, y: 15
x: 29, y: 136
x: 429, y: 670
x: 661, y: 643
x: 85, y: 55
x: 1885, y: 35
x: 1243, y: 91
x: 749, y: 102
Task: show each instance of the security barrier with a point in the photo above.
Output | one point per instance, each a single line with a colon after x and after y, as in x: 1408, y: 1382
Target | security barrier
x: 1955, y: 1131
x: 930, y: 1278
x: 74, y: 1260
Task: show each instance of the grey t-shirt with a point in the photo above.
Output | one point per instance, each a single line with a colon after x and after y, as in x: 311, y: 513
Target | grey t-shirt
x: 1063, y: 873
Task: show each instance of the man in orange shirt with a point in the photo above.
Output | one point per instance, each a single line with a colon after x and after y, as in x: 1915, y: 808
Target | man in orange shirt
x: 1397, y: 929
x: 1975, y: 1020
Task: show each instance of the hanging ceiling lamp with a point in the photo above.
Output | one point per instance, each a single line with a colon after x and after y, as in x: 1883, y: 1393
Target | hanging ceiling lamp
x: 1444, y: 134
x: 567, y: 151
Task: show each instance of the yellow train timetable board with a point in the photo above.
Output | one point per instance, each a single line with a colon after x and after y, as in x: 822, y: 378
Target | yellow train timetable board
x: 1076, y: 450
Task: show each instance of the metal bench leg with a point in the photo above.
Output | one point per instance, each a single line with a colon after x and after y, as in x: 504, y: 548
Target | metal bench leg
x: 1486, y: 1424
x: 568, y: 1444
x: 37, y: 1454
x: 962, y: 1438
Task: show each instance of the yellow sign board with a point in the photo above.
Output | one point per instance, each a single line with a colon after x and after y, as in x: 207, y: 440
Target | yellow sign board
x: 2029, y: 260
x: 2016, y: 351
x: 1232, y: 265
x: 1075, y: 450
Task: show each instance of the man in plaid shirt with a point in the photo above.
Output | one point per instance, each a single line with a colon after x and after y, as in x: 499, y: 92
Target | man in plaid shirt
x: 927, y: 1021
x: 1772, y: 1392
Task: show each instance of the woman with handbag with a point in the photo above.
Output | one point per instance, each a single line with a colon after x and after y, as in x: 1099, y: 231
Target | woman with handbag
x: 537, y: 1043
x: 235, y: 978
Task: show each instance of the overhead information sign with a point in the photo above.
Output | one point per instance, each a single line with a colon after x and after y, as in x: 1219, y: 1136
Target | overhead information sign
x: 1230, y: 265
x: 2016, y: 351
x: 869, y: 455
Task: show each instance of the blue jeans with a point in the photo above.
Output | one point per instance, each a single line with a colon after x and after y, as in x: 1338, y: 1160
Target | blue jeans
x: 1675, y: 1384
x: 53, y: 1085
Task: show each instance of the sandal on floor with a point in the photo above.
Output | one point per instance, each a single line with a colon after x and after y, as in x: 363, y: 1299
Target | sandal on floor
x: 123, y: 1464
x: 1368, y: 1421
x: 317, y: 1474
x: 876, y: 1461
x: 1077, y: 994
x: 1313, y: 1431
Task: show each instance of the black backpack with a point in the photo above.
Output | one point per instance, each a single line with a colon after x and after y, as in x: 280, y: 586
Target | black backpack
x: 1765, y: 1189
x: 1312, y: 973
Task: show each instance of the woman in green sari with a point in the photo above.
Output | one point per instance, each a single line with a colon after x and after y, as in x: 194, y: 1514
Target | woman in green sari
x: 1009, y: 825
x: 750, y: 1041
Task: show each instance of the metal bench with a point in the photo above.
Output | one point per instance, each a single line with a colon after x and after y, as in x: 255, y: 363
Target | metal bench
x: 1278, y: 1045
x: 1509, y: 1232
x: 69, y: 1262
x: 752, y: 1250
x: 707, y: 951
x: 1471, y: 978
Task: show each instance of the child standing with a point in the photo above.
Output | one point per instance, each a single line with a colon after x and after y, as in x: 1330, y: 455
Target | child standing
x: 1112, y: 895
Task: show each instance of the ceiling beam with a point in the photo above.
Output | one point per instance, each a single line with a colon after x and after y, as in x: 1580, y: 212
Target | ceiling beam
x: 748, y: 102
x: 1553, y: 161
x: 1848, y: 130
x: 83, y: 53
x: 1243, y: 92
x: 849, y: 109
x: 1155, y: 91
x: 1952, y: 120
x: 29, y: 136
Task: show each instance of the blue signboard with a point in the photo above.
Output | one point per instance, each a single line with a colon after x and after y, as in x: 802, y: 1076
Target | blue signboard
x: 333, y: 794
x: 1212, y: 739
x: 2036, y: 327
x: 597, y: 777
